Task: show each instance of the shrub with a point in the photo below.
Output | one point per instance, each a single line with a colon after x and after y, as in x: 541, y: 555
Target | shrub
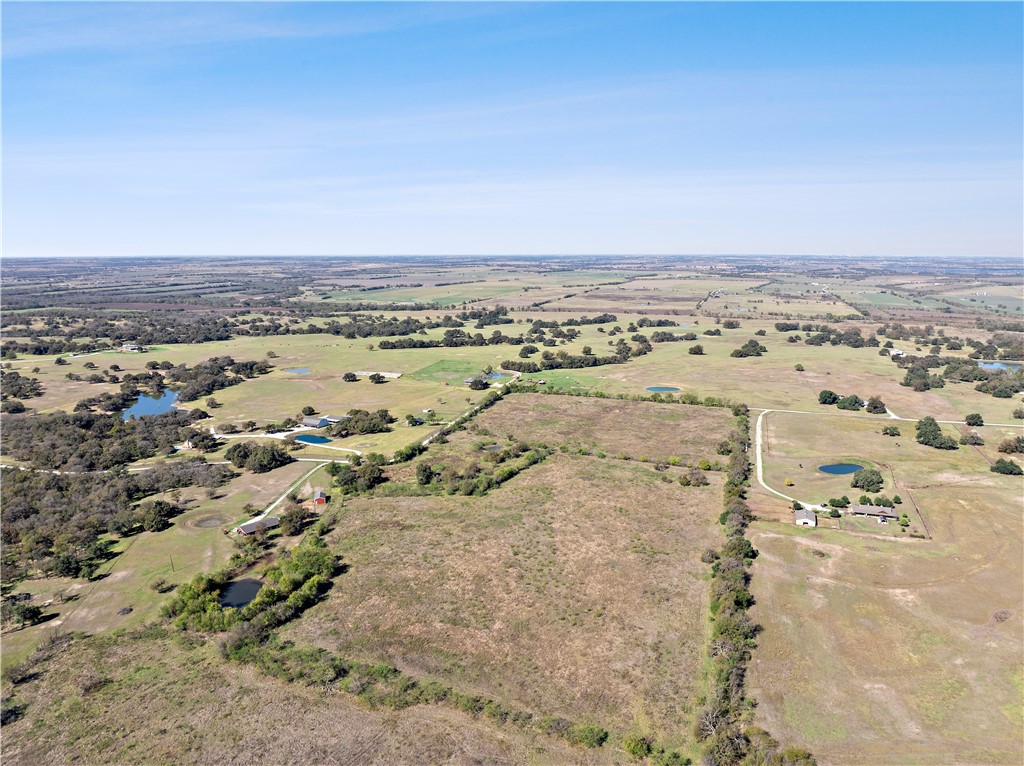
x: 1012, y: 446
x: 1007, y: 467
x: 587, y: 735
x: 828, y: 397
x: 974, y: 419
x: 637, y: 746
x: 875, y: 406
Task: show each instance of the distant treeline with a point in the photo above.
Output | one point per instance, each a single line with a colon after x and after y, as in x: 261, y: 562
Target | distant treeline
x: 68, y: 331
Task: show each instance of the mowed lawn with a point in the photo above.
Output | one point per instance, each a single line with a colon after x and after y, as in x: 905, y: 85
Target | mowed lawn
x: 558, y: 593
x: 869, y: 641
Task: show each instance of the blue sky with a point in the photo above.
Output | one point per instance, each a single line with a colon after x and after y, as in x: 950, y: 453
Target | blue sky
x: 387, y: 128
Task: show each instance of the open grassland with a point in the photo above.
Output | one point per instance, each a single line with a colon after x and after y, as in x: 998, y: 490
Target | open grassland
x: 870, y: 641
x: 557, y: 593
x: 143, y: 700
x: 640, y: 430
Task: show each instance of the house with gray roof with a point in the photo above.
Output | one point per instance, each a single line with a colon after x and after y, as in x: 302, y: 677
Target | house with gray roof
x: 256, y: 525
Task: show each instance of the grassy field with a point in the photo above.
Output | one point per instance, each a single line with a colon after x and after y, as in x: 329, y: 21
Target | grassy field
x: 555, y: 593
x: 869, y: 640
x: 640, y: 430
x: 160, y: 700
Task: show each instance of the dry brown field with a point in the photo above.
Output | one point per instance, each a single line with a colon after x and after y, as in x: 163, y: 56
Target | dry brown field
x: 558, y: 593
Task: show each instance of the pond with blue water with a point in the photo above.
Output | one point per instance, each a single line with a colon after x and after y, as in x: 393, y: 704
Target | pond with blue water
x: 240, y: 592
x: 299, y: 370
x: 311, y: 439
x: 839, y: 469
x: 662, y: 389
x: 1011, y: 366
x: 151, y: 405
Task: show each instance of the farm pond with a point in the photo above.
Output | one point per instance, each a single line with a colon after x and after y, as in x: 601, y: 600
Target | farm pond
x: 312, y: 439
x: 151, y: 405
x: 240, y: 592
x: 838, y: 469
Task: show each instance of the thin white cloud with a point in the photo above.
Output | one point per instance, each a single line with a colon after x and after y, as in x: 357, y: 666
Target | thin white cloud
x: 34, y: 29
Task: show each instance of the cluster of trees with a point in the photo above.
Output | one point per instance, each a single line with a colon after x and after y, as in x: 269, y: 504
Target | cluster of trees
x: 930, y: 434
x: 360, y: 474
x: 296, y: 581
x: 750, y: 348
x: 1002, y: 384
x: 87, y: 441
x: 56, y: 523
x: 258, y: 458
x: 834, y: 336
x: 851, y: 401
x: 14, y: 385
x: 563, y: 360
x: 18, y: 608
x: 868, y: 479
x: 147, y: 328
x: 661, y: 336
x: 363, y: 422
x: 212, y: 375
x: 881, y: 500
x: 476, y: 479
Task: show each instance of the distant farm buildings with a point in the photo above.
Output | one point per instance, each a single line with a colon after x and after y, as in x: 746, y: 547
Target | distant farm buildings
x: 806, y: 518
x: 131, y: 347
x: 319, y: 498
x: 256, y: 525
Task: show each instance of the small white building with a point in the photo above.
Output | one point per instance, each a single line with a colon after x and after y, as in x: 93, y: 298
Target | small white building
x: 806, y: 518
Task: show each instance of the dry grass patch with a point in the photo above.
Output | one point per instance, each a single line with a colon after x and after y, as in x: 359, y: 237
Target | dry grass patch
x: 130, y: 700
